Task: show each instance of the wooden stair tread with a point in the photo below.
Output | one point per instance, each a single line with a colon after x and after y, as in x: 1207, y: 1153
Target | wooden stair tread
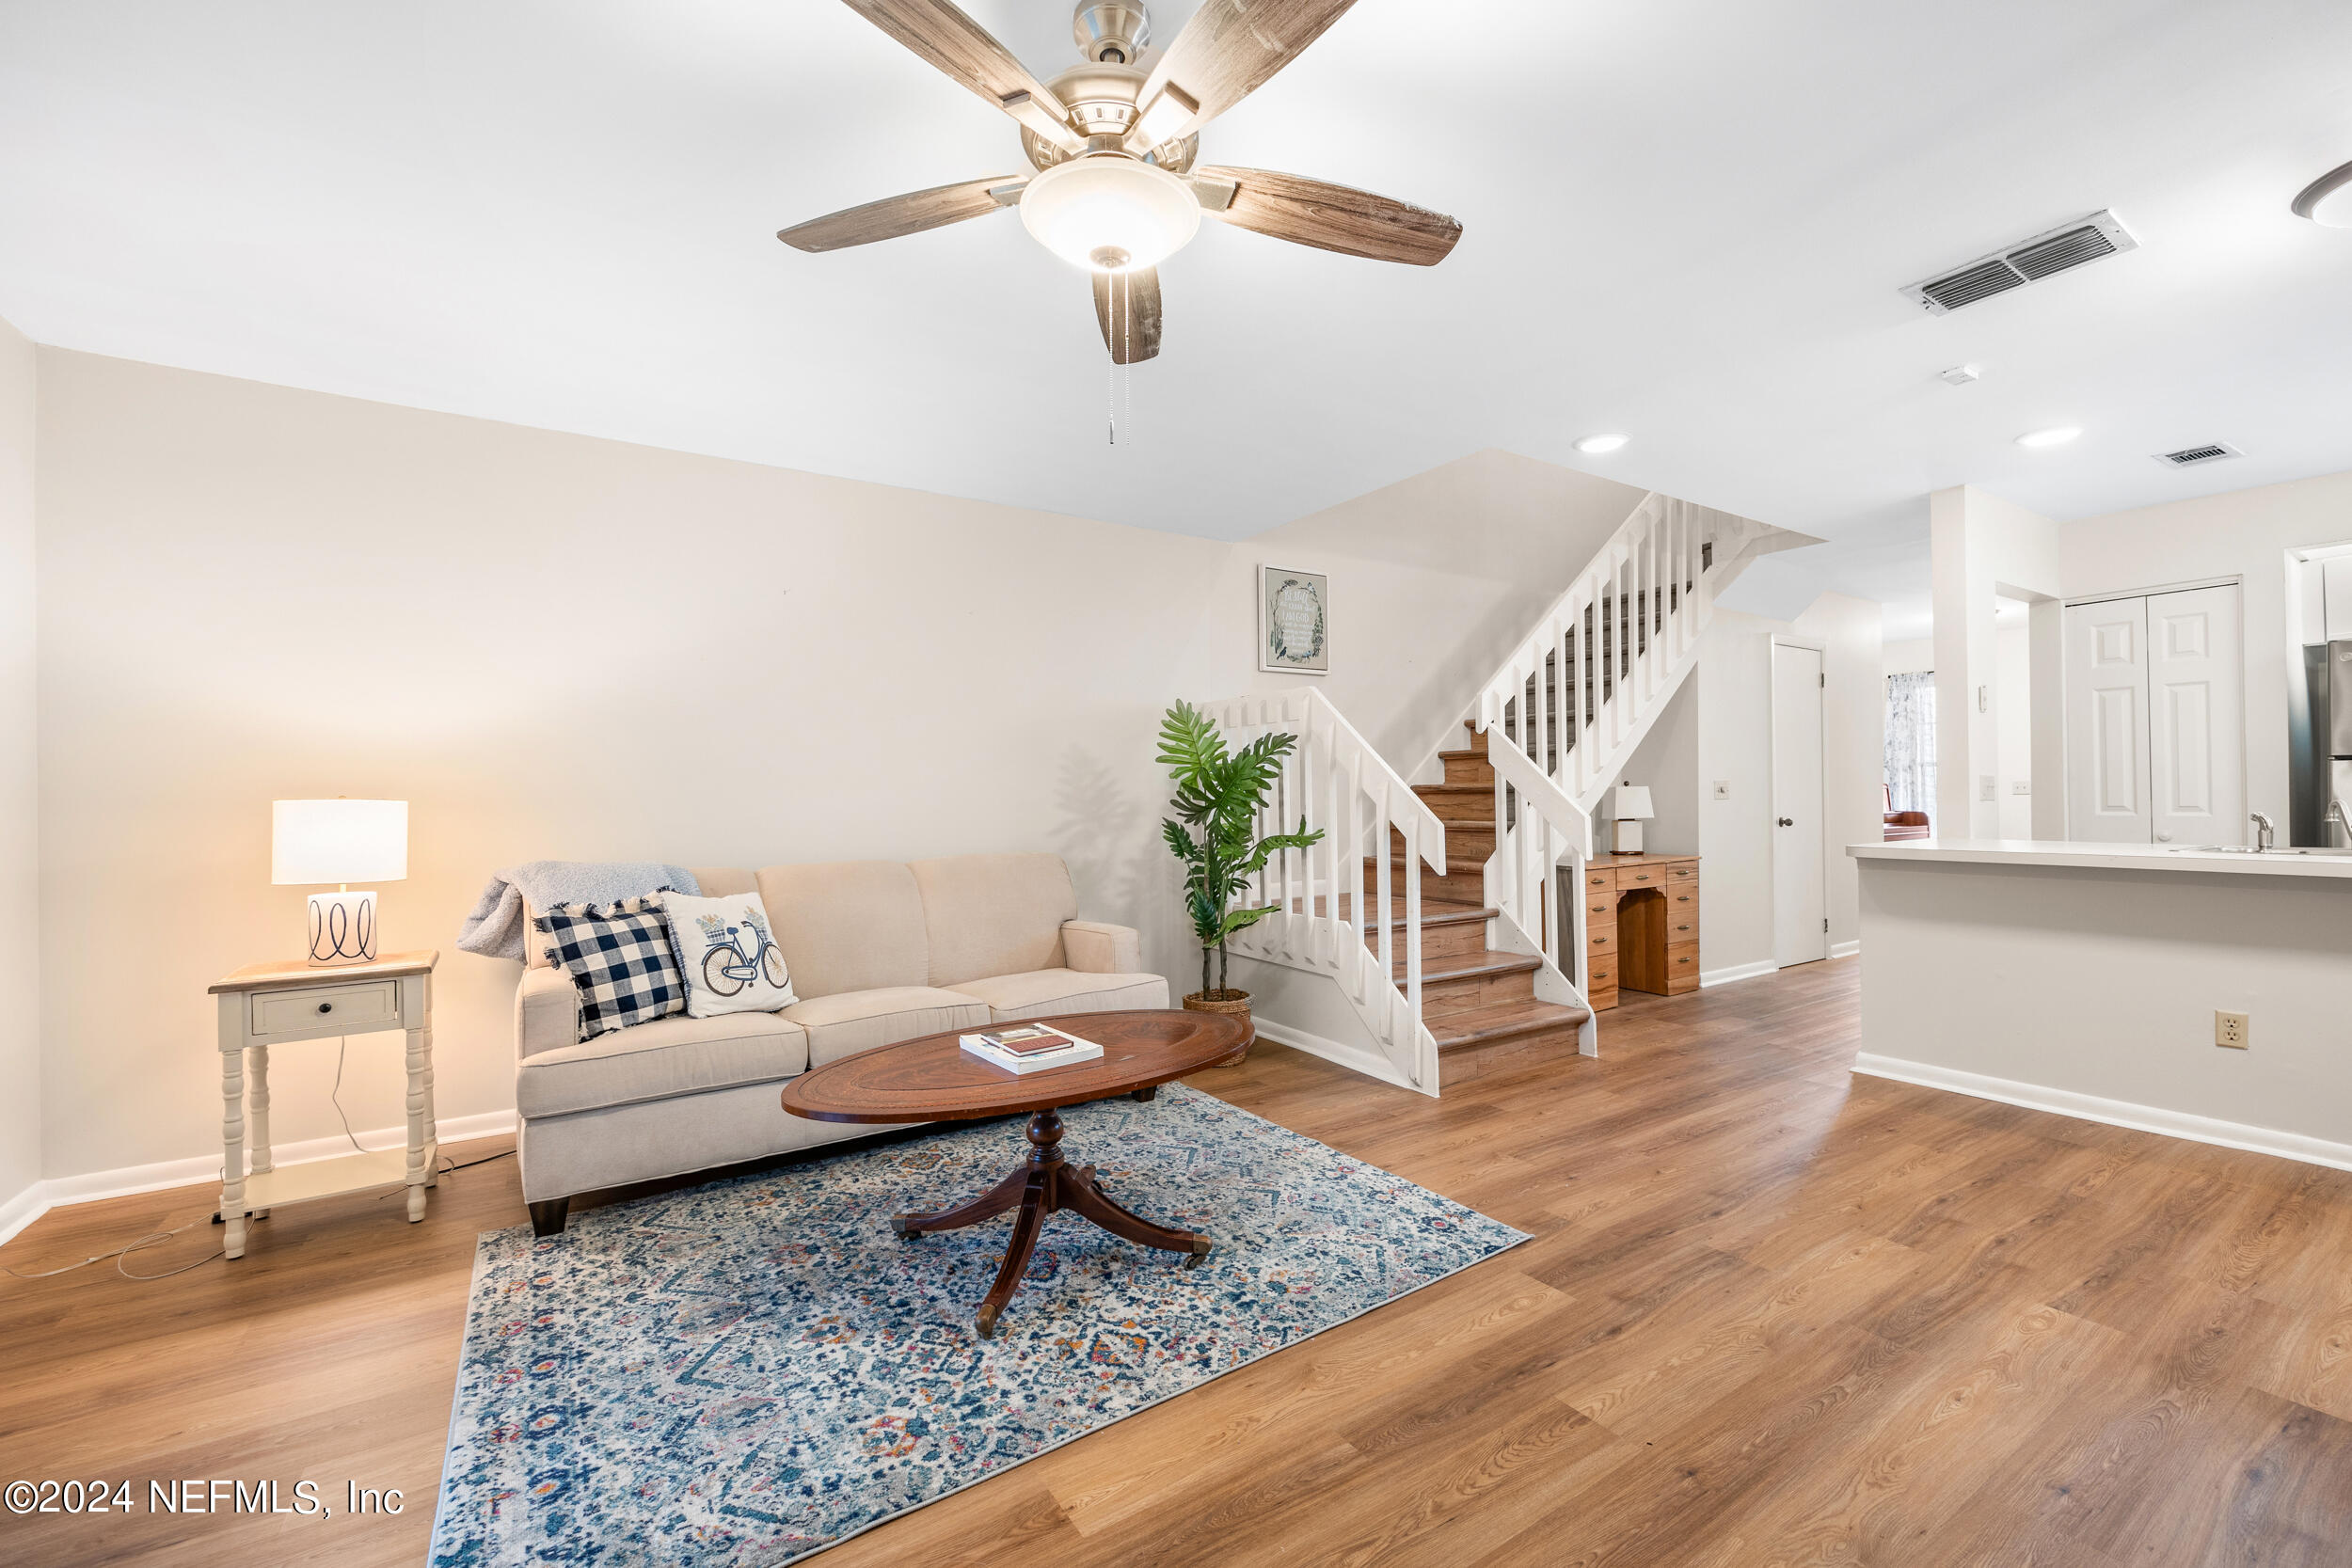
x: 1463, y: 966
x: 1503, y: 1020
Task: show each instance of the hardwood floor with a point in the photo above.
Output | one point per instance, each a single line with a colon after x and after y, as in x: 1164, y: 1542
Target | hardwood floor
x: 1772, y: 1315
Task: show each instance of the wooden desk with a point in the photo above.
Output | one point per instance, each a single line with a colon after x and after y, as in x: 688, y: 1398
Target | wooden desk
x: 1641, y: 926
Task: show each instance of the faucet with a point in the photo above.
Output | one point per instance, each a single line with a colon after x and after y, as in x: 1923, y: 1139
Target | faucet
x: 2335, y: 814
x: 2264, y: 830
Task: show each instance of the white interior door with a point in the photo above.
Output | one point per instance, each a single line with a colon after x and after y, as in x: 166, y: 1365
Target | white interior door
x: 2197, y: 717
x: 1800, y: 894
x: 2107, y: 722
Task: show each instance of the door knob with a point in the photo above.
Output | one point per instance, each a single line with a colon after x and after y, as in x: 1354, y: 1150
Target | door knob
x: 1787, y: 822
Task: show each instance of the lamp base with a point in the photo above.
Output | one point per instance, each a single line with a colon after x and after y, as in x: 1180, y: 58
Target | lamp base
x: 342, y: 929
x: 1629, y: 839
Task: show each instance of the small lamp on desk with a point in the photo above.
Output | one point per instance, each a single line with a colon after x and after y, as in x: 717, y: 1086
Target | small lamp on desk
x: 1630, y: 809
x: 341, y: 842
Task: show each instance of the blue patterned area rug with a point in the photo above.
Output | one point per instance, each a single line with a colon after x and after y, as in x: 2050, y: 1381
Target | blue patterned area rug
x: 754, y: 1369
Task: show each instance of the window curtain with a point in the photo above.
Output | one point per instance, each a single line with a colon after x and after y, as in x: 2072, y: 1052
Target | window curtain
x: 1911, y: 741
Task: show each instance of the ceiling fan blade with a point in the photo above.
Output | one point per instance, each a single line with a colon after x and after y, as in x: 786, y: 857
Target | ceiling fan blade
x: 1224, y: 54
x: 1333, y: 217
x: 966, y: 51
x: 1128, y: 306
x: 910, y: 214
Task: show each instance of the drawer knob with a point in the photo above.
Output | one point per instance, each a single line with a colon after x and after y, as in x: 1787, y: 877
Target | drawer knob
x: 326, y: 1006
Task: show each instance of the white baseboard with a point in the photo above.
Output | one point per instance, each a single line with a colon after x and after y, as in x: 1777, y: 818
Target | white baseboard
x: 1845, y: 949
x: 128, y: 1180
x: 1354, y: 1058
x: 2114, y: 1113
x: 1737, y: 972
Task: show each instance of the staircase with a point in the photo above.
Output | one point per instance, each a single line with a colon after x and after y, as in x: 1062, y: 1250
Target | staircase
x: 1474, y: 962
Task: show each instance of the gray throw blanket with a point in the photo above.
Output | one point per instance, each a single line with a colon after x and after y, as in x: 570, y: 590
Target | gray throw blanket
x: 495, y: 930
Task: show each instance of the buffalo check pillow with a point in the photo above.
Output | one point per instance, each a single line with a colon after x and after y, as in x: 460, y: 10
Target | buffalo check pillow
x: 620, y: 959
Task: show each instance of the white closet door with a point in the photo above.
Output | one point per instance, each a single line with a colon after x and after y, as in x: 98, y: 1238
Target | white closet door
x: 2197, y: 717
x: 2107, y: 722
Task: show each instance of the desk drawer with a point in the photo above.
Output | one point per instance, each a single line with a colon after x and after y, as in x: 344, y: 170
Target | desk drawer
x: 311, y: 1008
x: 1682, y: 926
x: 1599, y: 879
x: 1600, y: 909
x: 1682, y: 968
x: 1683, y: 898
x: 1641, y: 875
x: 1600, y: 939
x: 1685, y: 872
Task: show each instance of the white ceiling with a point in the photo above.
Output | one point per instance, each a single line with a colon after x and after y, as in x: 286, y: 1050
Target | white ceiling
x: 1685, y: 219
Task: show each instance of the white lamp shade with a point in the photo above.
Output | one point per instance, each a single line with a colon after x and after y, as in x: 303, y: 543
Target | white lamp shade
x: 1633, y: 803
x: 1109, y: 213
x: 339, y: 841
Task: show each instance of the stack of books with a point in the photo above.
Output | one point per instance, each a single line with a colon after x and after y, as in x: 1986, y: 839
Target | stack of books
x: 1030, y: 1048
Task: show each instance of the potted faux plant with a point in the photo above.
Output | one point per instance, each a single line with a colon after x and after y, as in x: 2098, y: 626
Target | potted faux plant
x: 1218, y: 794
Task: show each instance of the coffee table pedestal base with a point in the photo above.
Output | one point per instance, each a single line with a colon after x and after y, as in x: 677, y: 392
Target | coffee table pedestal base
x: 1046, y: 1183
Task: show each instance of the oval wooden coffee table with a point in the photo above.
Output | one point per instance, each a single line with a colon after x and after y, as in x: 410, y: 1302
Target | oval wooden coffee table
x: 935, y: 1079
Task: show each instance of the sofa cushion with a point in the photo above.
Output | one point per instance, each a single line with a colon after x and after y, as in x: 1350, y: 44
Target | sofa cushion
x: 655, y: 1061
x: 846, y: 1022
x: 992, y: 914
x: 847, y: 925
x: 723, y: 881
x: 619, y: 956
x: 1044, y: 992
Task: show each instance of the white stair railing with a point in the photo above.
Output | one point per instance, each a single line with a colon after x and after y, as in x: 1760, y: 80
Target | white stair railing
x: 1328, y: 922
x: 1570, y: 704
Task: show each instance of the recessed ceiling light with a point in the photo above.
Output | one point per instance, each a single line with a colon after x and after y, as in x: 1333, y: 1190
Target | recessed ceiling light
x: 1598, y: 444
x: 2058, y: 438
x: 2327, y: 200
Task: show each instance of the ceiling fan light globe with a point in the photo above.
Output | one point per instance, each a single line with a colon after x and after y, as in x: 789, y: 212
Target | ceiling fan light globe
x: 1110, y: 204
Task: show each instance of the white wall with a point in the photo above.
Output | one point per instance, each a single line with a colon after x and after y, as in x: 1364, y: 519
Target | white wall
x: 2244, y: 533
x: 1982, y: 548
x: 550, y: 645
x: 2014, y: 709
x: 1434, y: 580
x: 1720, y: 728
x: 1910, y: 656
x: 20, y: 881
x: 557, y: 646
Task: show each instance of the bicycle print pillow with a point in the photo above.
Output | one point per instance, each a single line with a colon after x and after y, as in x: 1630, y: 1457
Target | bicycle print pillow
x: 731, y: 962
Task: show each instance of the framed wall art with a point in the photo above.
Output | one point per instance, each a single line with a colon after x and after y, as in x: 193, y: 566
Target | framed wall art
x: 1293, y: 621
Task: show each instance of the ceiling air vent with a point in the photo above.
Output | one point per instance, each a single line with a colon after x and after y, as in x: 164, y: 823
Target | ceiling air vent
x: 2062, y: 249
x: 2189, y: 457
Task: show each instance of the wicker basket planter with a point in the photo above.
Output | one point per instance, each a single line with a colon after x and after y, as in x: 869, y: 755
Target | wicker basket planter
x: 1233, y: 1001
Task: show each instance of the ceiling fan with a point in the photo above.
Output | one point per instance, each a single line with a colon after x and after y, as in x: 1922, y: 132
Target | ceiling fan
x: 1114, y: 186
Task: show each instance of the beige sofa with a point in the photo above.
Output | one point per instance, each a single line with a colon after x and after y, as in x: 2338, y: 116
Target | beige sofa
x: 879, y: 952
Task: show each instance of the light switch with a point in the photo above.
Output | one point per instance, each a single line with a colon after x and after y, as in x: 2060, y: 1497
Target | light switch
x: 1986, y: 786
x: 1722, y: 789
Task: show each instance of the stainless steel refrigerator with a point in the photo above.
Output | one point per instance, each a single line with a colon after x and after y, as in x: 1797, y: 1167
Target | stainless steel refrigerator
x: 2320, y: 735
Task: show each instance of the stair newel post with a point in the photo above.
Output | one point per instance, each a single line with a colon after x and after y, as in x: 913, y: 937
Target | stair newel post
x: 1388, y: 922
x: 1412, y: 942
x: 1356, y: 894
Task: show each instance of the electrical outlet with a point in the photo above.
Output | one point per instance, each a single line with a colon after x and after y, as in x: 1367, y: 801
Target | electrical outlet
x: 1722, y: 789
x: 2230, y: 1029
x: 2021, y: 786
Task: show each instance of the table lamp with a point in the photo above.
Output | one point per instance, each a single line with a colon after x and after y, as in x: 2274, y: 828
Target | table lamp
x: 341, y: 842
x: 1631, y: 809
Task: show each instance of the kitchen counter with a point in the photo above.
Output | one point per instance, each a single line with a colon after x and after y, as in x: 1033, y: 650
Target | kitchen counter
x: 2084, y: 978
x: 2112, y: 857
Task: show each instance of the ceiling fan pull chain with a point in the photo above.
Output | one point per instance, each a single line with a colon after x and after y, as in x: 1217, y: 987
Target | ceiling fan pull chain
x: 1127, y: 354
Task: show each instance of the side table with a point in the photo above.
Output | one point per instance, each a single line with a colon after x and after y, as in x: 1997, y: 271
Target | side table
x: 278, y: 1003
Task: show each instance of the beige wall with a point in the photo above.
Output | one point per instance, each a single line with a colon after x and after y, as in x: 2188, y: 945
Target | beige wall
x: 1985, y: 548
x: 557, y: 646
x: 2246, y: 533
x: 1434, y: 579
x: 19, y: 887
x: 1718, y: 727
x: 552, y: 646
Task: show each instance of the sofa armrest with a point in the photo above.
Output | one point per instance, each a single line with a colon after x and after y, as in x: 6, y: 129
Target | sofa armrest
x: 546, y: 1012
x: 1094, y: 948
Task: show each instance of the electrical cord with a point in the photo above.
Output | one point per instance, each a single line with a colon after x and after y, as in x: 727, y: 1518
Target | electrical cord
x: 153, y: 1238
